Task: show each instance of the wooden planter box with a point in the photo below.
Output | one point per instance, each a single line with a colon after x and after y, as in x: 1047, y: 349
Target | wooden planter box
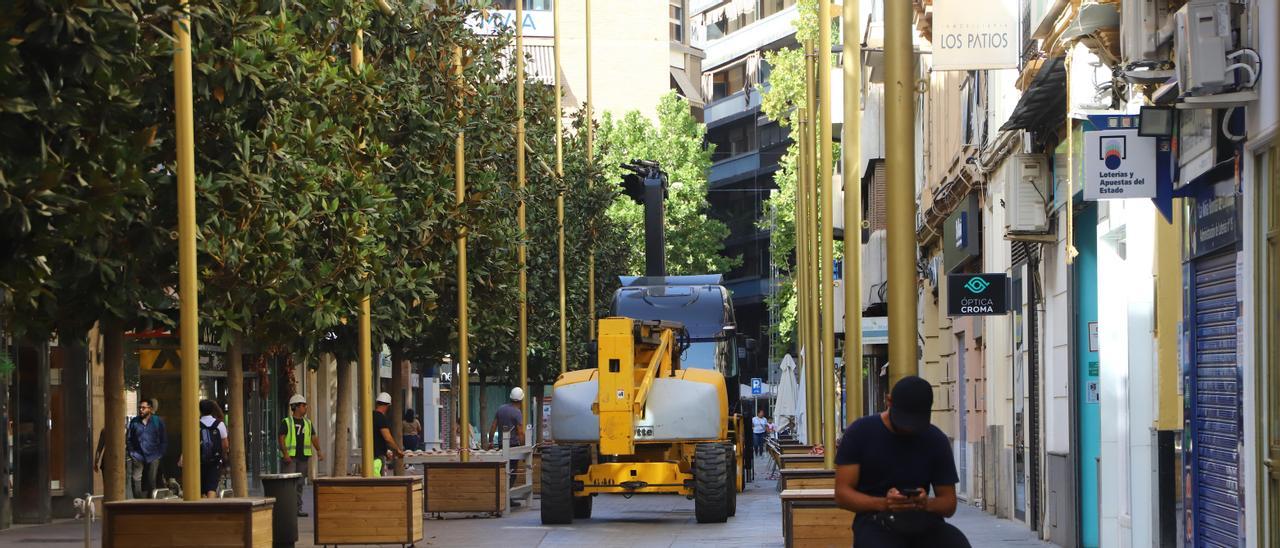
x: 211, y: 522
x: 796, y: 449
x: 810, y: 518
x: 792, y: 462
x: 807, y: 478
x: 352, y: 510
x: 470, y: 487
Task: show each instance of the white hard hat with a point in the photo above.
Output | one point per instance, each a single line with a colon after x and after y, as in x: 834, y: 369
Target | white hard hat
x: 384, y: 398
x: 517, y: 394
x: 297, y: 399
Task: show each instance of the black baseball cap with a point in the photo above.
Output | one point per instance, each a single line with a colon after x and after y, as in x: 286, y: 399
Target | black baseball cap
x: 912, y: 403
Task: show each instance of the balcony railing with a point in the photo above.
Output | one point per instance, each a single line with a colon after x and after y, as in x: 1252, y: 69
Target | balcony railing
x: 725, y: 107
x: 734, y: 167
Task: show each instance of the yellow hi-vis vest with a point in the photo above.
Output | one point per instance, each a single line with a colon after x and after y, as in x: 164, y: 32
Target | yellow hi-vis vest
x: 291, y: 438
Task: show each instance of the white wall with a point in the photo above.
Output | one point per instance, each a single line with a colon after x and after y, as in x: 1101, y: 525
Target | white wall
x: 1126, y: 239
x: 1056, y: 346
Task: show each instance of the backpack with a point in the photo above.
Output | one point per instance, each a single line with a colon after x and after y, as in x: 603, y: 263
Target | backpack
x: 210, y: 443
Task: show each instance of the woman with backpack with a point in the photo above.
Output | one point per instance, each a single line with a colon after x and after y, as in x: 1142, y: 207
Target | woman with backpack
x: 214, y: 447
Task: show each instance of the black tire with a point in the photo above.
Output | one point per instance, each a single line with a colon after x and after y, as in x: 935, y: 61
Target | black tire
x: 731, y: 462
x: 557, y: 485
x: 711, y: 496
x: 581, y: 463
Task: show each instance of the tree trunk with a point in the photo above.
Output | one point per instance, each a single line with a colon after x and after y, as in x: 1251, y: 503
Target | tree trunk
x: 342, y: 423
x: 399, y: 382
x: 113, y: 479
x: 235, y: 426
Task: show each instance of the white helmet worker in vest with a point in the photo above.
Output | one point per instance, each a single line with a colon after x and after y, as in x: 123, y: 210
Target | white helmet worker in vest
x: 298, y: 443
x: 383, y: 442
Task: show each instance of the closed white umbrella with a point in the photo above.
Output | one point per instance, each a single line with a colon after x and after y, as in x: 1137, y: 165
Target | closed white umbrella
x: 802, y: 404
x: 784, y: 408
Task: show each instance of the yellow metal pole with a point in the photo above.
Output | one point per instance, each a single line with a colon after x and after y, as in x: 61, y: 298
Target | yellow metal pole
x: 852, y: 157
x: 900, y: 146
x: 460, y: 191
x: 564, y: 331
x: 188, y: 290
x: 365, y: 350
x: 801, y: 274
x: 591, y: 249
x: 814, y: 354
x: 828, y: 246
x: 521, y: 250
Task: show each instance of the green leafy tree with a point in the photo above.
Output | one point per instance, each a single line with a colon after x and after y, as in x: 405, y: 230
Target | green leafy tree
x: 695, y: 241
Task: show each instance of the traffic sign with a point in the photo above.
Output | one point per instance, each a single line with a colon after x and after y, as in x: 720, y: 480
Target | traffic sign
x: 757, y: 386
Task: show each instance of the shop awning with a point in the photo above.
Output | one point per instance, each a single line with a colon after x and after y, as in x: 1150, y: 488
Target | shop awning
x: 1045, y: 98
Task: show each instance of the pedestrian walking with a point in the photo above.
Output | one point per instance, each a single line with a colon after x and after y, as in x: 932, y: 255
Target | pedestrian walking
x: 886, y: 465
x: 298, y: 442
x: 759, y: 430
x: 146, y: 442
x: 412, y: 431
x: 214, y: 446
x: 385, y: 448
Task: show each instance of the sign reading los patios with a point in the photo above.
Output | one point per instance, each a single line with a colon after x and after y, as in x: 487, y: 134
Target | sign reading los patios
x: 1118, y: 163
x: 975, y: 34
x: 977, y: 294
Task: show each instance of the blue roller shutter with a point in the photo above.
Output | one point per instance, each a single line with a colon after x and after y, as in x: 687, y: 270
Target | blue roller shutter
x: 1215, y: 405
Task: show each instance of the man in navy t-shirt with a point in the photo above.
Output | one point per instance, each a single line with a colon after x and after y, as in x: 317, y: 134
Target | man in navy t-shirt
x: 886, y: 465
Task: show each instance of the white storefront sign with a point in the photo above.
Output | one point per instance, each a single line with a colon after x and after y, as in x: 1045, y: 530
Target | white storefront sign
x: 975, y: 35
x: 1119, y: 164
x: 537, y: 24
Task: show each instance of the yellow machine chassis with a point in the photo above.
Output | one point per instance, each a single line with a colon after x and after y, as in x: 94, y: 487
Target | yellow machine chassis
x: 635, y: 478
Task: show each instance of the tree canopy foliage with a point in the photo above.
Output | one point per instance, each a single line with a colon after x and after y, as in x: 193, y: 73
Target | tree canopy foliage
x: 316, y: 184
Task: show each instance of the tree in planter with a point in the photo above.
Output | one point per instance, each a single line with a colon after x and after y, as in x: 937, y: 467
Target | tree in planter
x: 695, y: 241
x: 86, y: 213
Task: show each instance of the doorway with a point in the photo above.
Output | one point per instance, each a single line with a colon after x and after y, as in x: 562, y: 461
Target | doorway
x: 1087, y: 391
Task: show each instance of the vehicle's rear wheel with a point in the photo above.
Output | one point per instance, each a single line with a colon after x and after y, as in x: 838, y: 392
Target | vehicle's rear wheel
x: 712, y: 481
x: 557, y: 485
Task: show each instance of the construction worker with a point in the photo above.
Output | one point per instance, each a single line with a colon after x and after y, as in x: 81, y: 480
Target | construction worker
x: 383, y: 441
x: 298, y: 442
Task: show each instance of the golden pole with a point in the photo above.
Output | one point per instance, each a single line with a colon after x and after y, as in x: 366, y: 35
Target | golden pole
x: 814, y: 354
x: 591, y: 251
x: 188, y: 289
x: 823, y: 59
x: 460, y: 191
x: 852, y: 151
x: 801, y: 274
x: 521, y: 250
x: 900, y: 119
x: 564, y: 331
x: 365, y: 350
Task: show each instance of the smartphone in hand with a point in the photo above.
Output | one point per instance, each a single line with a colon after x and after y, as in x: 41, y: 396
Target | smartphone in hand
x: 910, y: 493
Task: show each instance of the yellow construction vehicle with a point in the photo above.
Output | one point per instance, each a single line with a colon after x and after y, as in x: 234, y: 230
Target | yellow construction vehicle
x: 652, y: 427
x: 657, y: 413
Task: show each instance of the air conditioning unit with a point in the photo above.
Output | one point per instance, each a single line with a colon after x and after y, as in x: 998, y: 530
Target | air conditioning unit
x: 1140, y: 25
x: 1208, y: 63
x: 1026, y: 195
x: 874, y: 268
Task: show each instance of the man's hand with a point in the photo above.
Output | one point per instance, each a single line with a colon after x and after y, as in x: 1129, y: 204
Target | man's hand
x: 319, y: 455
x: 897, y: 502
x: 287, y: 458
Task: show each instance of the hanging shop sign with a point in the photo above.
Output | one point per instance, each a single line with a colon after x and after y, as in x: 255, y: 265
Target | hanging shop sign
x: 975, y: 35
x: 536, y: 23
x: 977, y: 295
x: 875, y: 330
x: 1118, y: 163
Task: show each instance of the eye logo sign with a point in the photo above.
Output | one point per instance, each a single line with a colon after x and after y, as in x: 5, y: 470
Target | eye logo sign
x: 977, y: 294
x: 977, y: 285
x: 1113, y: 151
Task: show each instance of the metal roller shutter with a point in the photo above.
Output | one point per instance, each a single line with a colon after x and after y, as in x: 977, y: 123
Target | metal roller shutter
x: 1216, y: 404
